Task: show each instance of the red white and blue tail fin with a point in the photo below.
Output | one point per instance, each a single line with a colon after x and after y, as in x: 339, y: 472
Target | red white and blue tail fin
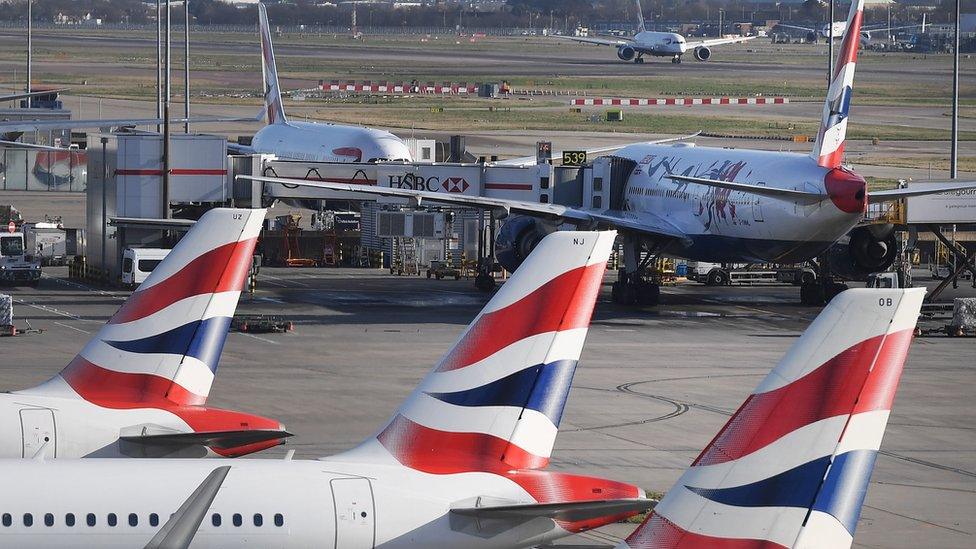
x: 161, y: 348
x: 494, y: 401
x: 792, y: 465
x: 269, y: 70
x: 829, y: 148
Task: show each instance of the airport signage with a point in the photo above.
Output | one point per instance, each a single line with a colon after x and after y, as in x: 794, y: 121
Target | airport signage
x: 574, y: 158
x: 954, y: 207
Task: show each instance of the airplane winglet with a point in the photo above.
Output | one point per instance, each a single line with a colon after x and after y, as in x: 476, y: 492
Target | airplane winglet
x: 181, y: 528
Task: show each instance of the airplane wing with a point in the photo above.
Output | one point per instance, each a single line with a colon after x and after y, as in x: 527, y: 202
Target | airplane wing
x: 238, y: 149
x: 720, y: 41
x: 19, y: 145
x: 530, y: 160
x: 898, y: 194
x: 653, y: 227
x: 771, y: 192
x: 25, y: 95
x: 11, y: 126
x: 213, y: 439
x: 796, y: 28
x: 182, y: 526
x: 571, y: 512
x: 612, y: 42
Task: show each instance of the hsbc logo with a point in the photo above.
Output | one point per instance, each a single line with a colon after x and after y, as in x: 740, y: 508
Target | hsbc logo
x: 455, y: 185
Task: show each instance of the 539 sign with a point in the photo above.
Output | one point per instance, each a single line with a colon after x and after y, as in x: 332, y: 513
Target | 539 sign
x: 574, y: 158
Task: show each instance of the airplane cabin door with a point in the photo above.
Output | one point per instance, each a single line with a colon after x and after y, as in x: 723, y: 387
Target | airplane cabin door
x: 37, y: 425
x: 354, y: 513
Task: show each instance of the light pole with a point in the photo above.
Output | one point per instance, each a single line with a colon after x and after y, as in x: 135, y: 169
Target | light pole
x: 30, y: 26
x: 166, y: 129
x: 830, y: 44
x: 186, y: 65
x: 159, y: 62
x: 954, y: 150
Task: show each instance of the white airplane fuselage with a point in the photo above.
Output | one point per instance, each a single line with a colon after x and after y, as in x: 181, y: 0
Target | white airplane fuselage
x: 329, y: 503
x: 662, y: 43
x: 733, y: 226
x: 319, y: 142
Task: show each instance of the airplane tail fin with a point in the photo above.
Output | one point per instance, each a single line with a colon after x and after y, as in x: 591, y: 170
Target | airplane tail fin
x: 495, y: 400
x: 829, y: 148
x: 792, y: 465
x: 161, y: 348
x: 269, y: 69
x: 640, y: 17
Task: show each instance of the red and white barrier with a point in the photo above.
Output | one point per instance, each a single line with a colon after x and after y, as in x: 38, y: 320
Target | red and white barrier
x: 446, y: 88
x: 688, y: 101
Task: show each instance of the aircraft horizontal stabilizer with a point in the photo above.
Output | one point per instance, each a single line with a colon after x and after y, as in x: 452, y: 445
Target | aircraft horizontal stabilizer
x: 212, y: 439
x: 569, y: 512
x: 790, y: 195
x: 898, y: 194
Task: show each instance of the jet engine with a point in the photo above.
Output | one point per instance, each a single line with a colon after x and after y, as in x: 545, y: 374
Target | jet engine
x: 863, y: 251
x: 703, y: 53
x: 811, y: 38
x: 517, y: 238
x: 626, y: 53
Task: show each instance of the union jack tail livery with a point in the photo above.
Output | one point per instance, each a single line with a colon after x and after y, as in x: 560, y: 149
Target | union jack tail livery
x: 272, y: 92
x: 160, y: 349
x: 829, y: 148
x: 494, y: 401
x: 792, y: 465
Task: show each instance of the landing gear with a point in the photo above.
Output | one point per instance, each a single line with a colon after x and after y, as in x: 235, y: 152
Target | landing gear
x: 484, y: 282
x: 818, y: 291
x: 639, y: 60
x: 633, y: 285
x: 676, y: 59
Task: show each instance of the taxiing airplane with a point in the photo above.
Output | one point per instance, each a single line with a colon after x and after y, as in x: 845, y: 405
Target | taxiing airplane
x: 717, y: 205
x: 791, y: 467
x: 657, y: 44
x: 312, y: 141
x: 460, y: 464
x: 840, y: 27
x: 139, y: 388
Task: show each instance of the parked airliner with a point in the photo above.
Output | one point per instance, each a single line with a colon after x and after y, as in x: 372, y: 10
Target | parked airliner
x: 657, y: 44
x: 139, y: 388
x: 840, y: 27
x: 717, y: 205
x: 792, y: 465
x: 312, y: 141
x: 460, y: 464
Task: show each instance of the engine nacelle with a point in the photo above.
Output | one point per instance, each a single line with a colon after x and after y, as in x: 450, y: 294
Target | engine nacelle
x: 863, y: 251
x: 811, y: 38
x: 517, y: 238
x: 626, y: 53
x: 703, y: 53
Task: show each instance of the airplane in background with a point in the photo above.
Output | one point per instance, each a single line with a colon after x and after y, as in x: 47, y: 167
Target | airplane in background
x: 139, y: 388
x: 840, y: 27
x: 716, y: 205
x: 460, y: 464
x: 312, y: 141
x: 657, y: 44
x: 26, y: 95
x: 792, y: 465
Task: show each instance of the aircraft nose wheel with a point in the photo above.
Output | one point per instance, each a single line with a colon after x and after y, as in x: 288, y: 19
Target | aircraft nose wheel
x: 639, y: 60
x: 676, y: 60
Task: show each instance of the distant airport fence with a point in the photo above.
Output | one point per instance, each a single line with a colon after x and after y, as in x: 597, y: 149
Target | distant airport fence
x: 688, y: 101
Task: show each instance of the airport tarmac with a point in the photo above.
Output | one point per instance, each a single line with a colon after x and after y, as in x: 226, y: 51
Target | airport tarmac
x: 653, y: 386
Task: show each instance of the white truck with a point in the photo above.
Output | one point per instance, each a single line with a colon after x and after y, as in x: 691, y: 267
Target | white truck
x: 137, y: 263
x: 717, y: 274
x: 17, y: 266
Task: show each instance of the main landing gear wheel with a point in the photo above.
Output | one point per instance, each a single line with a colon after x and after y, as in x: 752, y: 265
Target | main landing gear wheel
x: 639, y: 60
x: 640, y: 293
x: 812, y: 295
x: 717, y: 278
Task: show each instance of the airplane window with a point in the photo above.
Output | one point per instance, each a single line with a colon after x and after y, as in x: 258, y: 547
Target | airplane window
x: 113, y: 519
x: 133, y: 519
x: 6, y: 519
x: 28, y: 519
x: 69, y: 519
x: 90, y: 519
x: 237, y: 519
x: 48, y: 519
x: 279, y: 520
x: 215, y: 519
x: 258, y: 519
x: 153, y: 519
